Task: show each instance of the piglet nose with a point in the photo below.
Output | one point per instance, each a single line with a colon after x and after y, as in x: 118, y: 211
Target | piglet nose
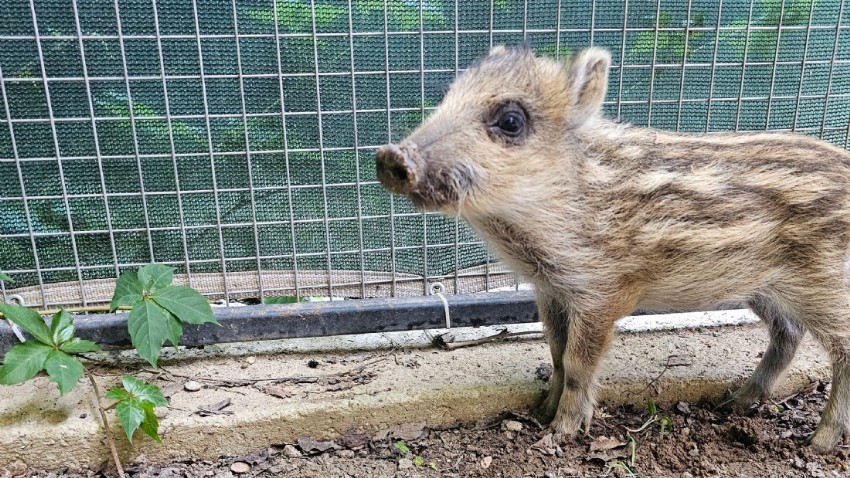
x: 396, y: 168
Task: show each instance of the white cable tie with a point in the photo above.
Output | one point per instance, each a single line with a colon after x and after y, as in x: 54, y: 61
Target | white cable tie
x: 15, y: 328
x: 437, y: 289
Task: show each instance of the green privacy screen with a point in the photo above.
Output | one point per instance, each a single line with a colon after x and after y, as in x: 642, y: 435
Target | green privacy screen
x: 234, y: 140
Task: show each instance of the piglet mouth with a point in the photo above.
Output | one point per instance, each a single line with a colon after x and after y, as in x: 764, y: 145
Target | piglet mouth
x: 396, y: 168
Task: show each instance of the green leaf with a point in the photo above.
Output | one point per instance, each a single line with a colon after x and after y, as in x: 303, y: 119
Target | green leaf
x: 290, y: 299
x: 175, y: 329
x: 418, y: 461
x: 148, y: 328
x: 5, y: 278
x: 144, y: 392
x: 23, y: 361
x: 128, y: 291
x: 79, y: 346
x: 131, y: 414
x: 150, y: 425
x: 155, y: 277
x: 651, y: 408
x: 186, y: 304
x: 118, y: 394
x: 401, y: 446
x: 63, y: 369
x: 62, y: 327
x: 28, y: 320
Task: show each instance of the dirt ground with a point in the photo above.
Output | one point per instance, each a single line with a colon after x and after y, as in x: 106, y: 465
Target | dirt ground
x: 683, y: 440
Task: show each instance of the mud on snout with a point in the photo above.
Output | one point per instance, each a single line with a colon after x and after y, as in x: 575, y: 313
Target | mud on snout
x: 430, y: 183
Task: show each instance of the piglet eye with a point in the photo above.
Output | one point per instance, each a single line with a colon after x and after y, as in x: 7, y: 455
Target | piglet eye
x: 511, y: 123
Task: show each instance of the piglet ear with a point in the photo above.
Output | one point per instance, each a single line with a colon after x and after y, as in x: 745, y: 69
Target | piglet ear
x: 588, y: 77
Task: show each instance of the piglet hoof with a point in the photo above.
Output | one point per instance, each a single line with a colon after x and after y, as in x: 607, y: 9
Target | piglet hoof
x: 543, y: 413
x: 826, y: 437
x: 569, y: 426
x: 742, y: 399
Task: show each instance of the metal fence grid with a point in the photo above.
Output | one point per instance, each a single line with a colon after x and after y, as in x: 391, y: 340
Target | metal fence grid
x: 234, y: 140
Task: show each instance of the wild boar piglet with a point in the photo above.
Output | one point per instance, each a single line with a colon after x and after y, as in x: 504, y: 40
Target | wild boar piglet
x: 604, y: 218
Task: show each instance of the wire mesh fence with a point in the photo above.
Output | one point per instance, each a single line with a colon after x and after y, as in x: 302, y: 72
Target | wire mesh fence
x: 234, y: 140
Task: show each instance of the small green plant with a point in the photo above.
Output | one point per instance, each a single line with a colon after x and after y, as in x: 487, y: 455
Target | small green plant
x: 402, y: 447
x: 4, y: 277
x: 665, y: 423
x: 619, y: 465
x: 159, y: 309
x: 52, y: 349
x: 418, y: 461
x: 135, y: 404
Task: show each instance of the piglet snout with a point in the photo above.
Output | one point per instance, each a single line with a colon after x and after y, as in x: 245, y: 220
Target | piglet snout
x: 396, y: 167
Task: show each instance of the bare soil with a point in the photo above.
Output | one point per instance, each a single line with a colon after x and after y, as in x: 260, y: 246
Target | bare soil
x: 682, y: 440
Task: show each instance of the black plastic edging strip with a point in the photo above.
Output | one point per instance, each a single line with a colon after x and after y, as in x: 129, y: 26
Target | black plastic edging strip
x: 316, y: 319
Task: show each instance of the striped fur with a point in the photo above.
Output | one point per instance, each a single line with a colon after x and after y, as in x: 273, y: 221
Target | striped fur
x: 604, y: 218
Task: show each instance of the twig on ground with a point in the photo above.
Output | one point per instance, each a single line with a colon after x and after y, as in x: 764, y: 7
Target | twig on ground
x: 652, y: 383
x: 106, y: 430
x: 504, y: 334
x: 252, y: 381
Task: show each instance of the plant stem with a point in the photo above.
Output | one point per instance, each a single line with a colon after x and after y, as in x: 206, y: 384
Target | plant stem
x: 106, y: 429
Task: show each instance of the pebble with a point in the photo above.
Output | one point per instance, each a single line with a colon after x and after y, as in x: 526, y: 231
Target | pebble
x: 240, y: 467
x: 485, y: 463
x: 405, y: 464
x: 512, y: 425
x: 345, y: 454
x: 291, y: 452
x: 192, y: 386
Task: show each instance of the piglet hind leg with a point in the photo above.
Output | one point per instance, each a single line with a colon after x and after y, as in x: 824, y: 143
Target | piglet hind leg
x: 825, y: 312
x: 835, y: 419
x: 786, y: 333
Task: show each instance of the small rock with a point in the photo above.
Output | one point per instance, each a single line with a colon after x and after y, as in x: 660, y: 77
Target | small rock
x: 786, y: 434
x: 509, y: 435
x: 251, y: 360
x: 192, y: 386
x: 687, y: 474
x: 683, y: 407
x: 345, y: 454
x: 550, y: 474
x: 291, y: 452
x: 311, y: 445
x: 485, y: 463
x: 240, y: 467
x: 511, y: 425
x: 405, y: 464
x: 84, y: 415
x: 354, y: 438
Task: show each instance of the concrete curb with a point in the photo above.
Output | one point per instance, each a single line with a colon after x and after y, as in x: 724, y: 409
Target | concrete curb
x: 374, y: 390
